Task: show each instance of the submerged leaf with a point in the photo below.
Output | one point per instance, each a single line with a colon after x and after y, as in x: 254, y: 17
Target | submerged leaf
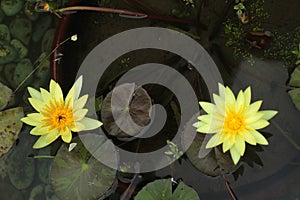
x: 78, y: 175
x: 295, y: 96
x: 10, y: 126
x: 5, y: 95
x: 162, y: 190
x: 295, y: 78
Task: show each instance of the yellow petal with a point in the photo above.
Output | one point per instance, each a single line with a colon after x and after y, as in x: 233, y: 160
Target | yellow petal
x: 34, y: 93
x: 79, y: 104
x: 253, y: 118
x: 260, y: 139
x: 229, y: 96
x: 30, y: 121
x: 220, y: 104
x: 205, y: 118
x: 79, y: 114
x: 239, y: 145
x: 52, y: 135
x: 207, y: 107
x: 234, y: 155
x: 209, y: 128
x: 75, y: 90
x: 78, y: 126
x: 248, y: 137
x: 36, y: 104
x: 221, y: 90
x: 42, y: 142
x: 198, y: 124
x: 38, y: 130
x: 227, y: 144
x: 214, y: 141
x: 259, y: 124
x: 45, y: 95
x: 268, y: 114
x: 56, y: 91
x: 90, y: 123
x: 253, y: 108
x: 247, y: 96
x: 239, y: 105
x: 66, y: 136
x: 35, y: 116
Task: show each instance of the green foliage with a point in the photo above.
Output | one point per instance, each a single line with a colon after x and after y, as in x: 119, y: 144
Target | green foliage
x: 297, y: 53
x: 174, y: 151
x: 189, y: 3
x: 239, y: 8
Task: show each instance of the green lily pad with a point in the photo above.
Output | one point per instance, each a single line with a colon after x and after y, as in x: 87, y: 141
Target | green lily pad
x: 132, y: 110
x: 78, y: 175
x: 212, y: 162
x: 295, y: 78
x: 21, y: 29
x: 11, y: 7
x: 4, y: 33
x: 21, y: 49
x: 47, y: 40
x: 21, y: 167
x: 50, y: 194
x: 162, y: 190
x: 37, y: 193
x: 9, y: 192
x: 5, y: 95
x: 40, y: 27
x: 10, y: 126
x: 7, y: 53
x: 30, y: 12
x: 295, y: 96
x: 44, y: 165
x: 23, y: 68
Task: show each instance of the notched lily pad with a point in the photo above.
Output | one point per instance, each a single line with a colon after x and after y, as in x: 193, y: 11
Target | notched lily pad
x: 21, y: 49
x: 11, y: 7
x: 10, y: 126
x: 131, y: 108
x: 4, y: 33
x: 295, y: 96
x: 5, y: 95
x: 295, y: 78
x: 78, y: 175
x: 7, y: 53
x: 162, y: 190
x: 21, y: 29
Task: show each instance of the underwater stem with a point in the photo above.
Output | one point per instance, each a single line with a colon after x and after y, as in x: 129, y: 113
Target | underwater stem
x: 229, y: 188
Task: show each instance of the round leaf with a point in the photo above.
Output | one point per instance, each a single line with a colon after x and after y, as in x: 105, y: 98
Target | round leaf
x: 162, y: 190
x: 5, y: 95
x: 78, y: 175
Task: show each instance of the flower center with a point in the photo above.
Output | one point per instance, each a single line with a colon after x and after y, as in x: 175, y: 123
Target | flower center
x: 233, y: 122
x: 58, y: 115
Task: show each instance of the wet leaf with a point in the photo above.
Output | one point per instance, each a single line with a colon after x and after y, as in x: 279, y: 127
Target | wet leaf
x: 78, y: 175
x: 4, y: 33
x: 162, y: 190
x: 132, y: 110
x: 11, y: 7
x: 10, y: 126
x: 5, y: 95
x: 7, y: 53
x: 295, y: 96
x: 37, y: 193
x: 21, y: 29
x: 295, y: 78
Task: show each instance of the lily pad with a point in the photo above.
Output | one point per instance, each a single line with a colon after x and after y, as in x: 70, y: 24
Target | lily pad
x: 5, y: 95
x: 7, y: 53
x: 10, y: 126
x: 4, y: 33
x: 44, y: 165
x: 30, y: 12
x: 21, y: 49
x: 21, y: 29
x: 40, y: 27
x: 22, y: 169
x: 212, y: 162
x: 37, y: 193
x: 78, y: 175
x: 47, y: 40
x: 11, y: 7
x: 162, y: 189
x: 295, y: 96
x: 131, y: 108
x: 9, y: 192
x: 23, y: 68
x: 295, y: 78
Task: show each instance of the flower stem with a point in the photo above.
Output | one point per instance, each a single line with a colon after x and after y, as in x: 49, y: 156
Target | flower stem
x: 39, y: 157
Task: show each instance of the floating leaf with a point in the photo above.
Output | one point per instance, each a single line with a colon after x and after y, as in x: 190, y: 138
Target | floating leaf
x: 40, y: 27
x: 4, y: 33
x: 21, y: 49
x: 162, y: 190
x: 7, y: 53
x: 9, y: 192
x: 10, y: 126
x: 295, y: 96
x: 23, y: 68
x: 11, y: 7
x: 5, y: 95
x: 37, y: 193
x: 295, y: 78
x: 78, y: 175
x: 132, y: 109
x: 20, y: 29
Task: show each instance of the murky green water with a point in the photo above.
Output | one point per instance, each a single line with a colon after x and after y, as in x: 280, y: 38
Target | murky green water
x: 265, y: 172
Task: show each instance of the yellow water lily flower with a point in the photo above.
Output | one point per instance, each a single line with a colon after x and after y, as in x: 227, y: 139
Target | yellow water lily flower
x: 57, y: 116
x: 233, y: 121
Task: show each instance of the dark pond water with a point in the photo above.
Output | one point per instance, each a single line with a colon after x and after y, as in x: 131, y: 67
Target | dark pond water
x: 265, y: 172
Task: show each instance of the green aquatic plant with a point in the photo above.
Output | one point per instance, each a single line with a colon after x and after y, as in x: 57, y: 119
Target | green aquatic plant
x: 174, y: 151
x: 239, y: 7
x: 295, y: 82
x: 297, y: 53
x: 189, y: 3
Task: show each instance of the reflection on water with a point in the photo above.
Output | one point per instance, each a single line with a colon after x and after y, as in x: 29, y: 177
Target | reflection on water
x: 265, y: 172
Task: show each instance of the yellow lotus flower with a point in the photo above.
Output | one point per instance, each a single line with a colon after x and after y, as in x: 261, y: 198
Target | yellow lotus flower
x: 56, y: 116
x: 234, y: 121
